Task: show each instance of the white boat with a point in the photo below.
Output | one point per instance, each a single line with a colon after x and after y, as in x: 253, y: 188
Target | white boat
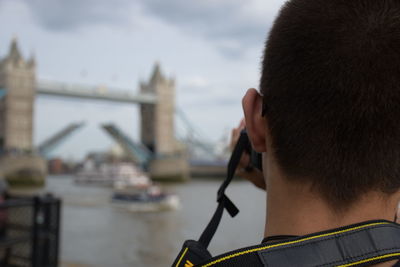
x: 134, y: 191
x: 144, y: 202
x: 127, y: 175
x: 90, y: 174
x: 118, y: 175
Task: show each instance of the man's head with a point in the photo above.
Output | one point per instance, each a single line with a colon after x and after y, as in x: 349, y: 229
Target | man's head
x: 331, y: 96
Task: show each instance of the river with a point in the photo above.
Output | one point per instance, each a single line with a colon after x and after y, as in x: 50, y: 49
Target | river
x: 95, y: 233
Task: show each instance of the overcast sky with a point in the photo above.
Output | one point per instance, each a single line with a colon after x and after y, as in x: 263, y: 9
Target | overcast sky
x: 212, y: 48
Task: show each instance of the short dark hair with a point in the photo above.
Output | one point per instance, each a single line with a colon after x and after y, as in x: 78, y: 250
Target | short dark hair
x: 331, y: 86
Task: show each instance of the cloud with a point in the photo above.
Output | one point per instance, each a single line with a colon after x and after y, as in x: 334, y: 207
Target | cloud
x: 195, y: 82
x: 233, y: 25
x: 216, y: 19
x: 61, y: 15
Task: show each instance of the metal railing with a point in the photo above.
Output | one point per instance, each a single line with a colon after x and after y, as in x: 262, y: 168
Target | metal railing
x: 30, y: 231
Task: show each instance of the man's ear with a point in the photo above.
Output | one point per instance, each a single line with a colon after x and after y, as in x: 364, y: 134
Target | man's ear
x: 255, y: 123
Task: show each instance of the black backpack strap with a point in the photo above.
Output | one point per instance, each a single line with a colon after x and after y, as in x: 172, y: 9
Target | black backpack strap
x: 362, y: 244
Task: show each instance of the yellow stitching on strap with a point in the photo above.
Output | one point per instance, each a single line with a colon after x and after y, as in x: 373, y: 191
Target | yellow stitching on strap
x: 290, y: 243
x: 371, y: 259
x: 180, y: 259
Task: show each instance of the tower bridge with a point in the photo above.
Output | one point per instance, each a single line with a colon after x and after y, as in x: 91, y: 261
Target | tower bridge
x: 166, y: 157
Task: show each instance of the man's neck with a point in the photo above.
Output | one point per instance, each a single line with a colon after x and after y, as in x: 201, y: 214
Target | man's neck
x: 295, y: 210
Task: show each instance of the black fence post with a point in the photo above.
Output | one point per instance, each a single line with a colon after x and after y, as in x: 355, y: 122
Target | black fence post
x: 57, y: 230
x: 35, y: 232
x: 32, y: 233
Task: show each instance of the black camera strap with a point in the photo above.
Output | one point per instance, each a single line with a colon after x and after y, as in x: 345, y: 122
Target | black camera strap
x: 194, y: 252
x: 223, y: 200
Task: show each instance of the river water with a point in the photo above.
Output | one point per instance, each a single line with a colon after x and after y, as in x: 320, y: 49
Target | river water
x: 95, y: 233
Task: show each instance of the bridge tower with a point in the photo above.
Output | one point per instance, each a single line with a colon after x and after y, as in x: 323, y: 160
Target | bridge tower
x: 17, y: 95
x: 157, y: 128
x: 17, y: 83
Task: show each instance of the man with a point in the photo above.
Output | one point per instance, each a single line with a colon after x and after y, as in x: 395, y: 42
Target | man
x: 327, y: 122
x: 327, y: 118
